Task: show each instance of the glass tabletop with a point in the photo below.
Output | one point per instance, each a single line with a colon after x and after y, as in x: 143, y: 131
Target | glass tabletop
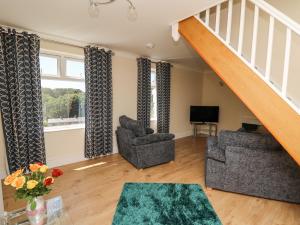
x: 56, y: 215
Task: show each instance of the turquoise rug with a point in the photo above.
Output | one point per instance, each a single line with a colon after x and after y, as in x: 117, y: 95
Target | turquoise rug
x: 164, y: 204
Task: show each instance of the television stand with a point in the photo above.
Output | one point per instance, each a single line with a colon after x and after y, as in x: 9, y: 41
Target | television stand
x: 210, y: 125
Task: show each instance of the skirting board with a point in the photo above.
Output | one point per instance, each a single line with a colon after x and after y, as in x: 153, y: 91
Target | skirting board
x: 183, y: 134
x: 61, y: 161
x: 78, y: 156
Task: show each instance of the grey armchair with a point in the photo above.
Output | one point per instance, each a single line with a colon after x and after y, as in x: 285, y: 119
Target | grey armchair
x: 142, y: 147
x: 252, y: 164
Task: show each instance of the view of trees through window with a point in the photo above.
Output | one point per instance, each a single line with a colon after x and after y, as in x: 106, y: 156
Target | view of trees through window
x: 63, y: 106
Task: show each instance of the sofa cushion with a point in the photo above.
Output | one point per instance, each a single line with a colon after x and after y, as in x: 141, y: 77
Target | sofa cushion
x: 135, y: 126
x: 247, y: 140
x: 152, y: 138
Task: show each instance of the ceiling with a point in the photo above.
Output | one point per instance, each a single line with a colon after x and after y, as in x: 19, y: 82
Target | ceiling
x: 69, y: 19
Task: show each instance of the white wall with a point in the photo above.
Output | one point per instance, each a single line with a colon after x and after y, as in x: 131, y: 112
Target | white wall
x: 185, y: 91
x: 232, y: 110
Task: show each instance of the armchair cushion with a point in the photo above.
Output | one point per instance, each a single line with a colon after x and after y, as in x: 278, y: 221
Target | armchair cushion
x: 135, y: 126
x: 152, y: 138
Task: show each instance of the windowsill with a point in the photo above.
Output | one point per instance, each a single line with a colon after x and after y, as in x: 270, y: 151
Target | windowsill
x: 63, y: 128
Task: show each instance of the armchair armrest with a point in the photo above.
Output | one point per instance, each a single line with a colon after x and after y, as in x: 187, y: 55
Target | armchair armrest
x: 149, y: 130
x: 152, y: 138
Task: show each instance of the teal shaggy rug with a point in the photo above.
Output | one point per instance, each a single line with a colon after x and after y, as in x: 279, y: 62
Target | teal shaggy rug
x: 164, y: 204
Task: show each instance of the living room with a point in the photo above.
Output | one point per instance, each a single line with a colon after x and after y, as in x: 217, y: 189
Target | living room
x: 90, y: 143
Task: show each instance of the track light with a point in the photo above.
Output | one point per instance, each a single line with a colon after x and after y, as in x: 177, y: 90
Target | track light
x: 94, y: 8
x: 132, y: 13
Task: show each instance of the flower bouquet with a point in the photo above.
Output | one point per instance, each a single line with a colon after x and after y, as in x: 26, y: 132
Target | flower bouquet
x: 32, y: 187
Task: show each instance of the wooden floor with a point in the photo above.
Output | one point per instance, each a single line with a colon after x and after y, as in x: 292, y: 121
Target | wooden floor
x: 90, y: 196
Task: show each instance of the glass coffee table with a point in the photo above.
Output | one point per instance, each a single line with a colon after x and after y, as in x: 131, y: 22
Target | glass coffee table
x: 56, y: 215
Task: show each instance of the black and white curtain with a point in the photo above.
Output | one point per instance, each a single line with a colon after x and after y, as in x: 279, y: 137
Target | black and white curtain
x: 20, y: 98
x: 163, y: 80
x: 144, y: 91
x: 98, y: 102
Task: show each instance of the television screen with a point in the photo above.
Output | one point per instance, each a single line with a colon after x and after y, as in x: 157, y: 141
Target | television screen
x: 204, y: 114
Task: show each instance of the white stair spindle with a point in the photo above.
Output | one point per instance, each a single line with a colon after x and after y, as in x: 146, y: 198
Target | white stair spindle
x: 286, y: 61
x: 274, y: 15
x: 229, y: 21
x: 254, y: 37
x: 207, y: 17
x: 218, y: 13
x: 242, y: 26
x: 270, y: 48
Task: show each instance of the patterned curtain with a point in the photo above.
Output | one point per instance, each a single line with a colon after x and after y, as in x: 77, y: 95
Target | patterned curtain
x: 144, y: 91
x: 98, y: 103
x: 163, y: 71
x: 20, y: 98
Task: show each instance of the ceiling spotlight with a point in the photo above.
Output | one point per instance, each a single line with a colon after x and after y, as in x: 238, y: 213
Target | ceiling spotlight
x: 94, y: 8
x: 150, y: 45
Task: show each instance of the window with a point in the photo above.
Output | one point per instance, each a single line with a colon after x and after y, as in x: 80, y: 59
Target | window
x: 49, y: 65
x: 75, y: 68
x: 63, y: 92
x: 153, y: 113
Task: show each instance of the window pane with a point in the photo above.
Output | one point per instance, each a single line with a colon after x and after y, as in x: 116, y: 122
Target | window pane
x: 63, y: 102
x: 153, y: 113
x: 48, y: 65
x: 74, y: 68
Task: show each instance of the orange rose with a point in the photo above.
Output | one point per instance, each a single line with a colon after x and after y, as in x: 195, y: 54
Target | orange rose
x: 18, y: 182
x: 9, y: 180
x: 18, y: 173
x: 34, y: 167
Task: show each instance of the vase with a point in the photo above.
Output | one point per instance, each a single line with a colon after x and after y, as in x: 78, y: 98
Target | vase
x: 37, y: 215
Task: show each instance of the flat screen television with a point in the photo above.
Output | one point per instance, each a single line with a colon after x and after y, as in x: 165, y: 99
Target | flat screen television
x: 204, y: 114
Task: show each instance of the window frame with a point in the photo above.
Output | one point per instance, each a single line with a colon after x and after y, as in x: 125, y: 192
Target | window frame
x: 61, y: 63
x: 61, y: 56
x: 53, y: 56
x: 76, y: 59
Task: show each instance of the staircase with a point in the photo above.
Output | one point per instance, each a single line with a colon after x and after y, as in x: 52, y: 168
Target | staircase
x: 229, y: 37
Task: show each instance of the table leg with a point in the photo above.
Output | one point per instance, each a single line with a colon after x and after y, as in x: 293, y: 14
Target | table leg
x: 209, y: 125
